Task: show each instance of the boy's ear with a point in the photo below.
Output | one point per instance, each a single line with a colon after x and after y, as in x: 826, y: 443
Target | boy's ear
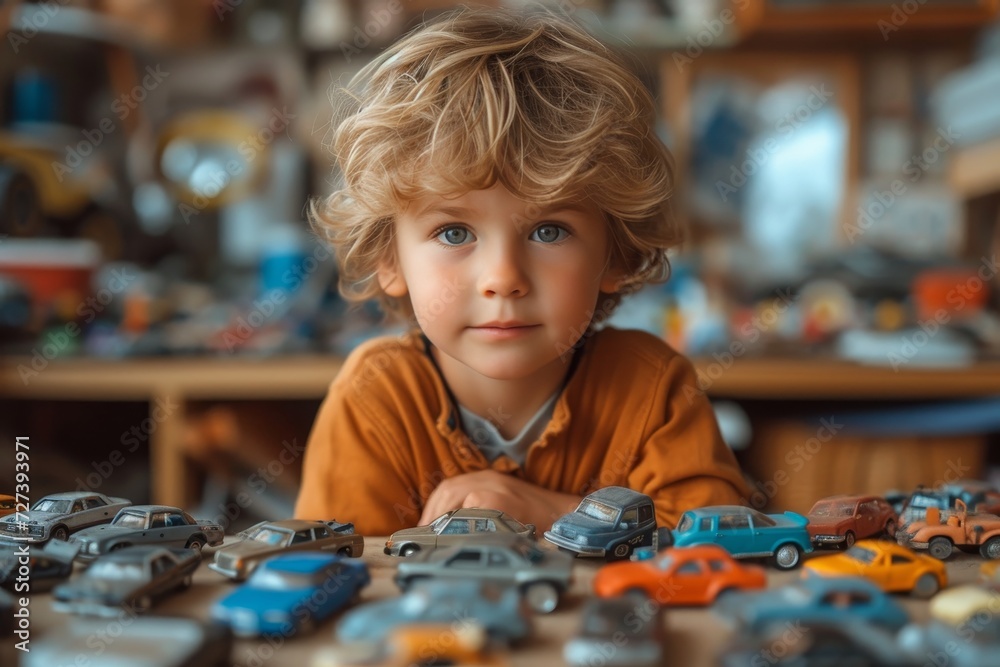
x: 391, y: 279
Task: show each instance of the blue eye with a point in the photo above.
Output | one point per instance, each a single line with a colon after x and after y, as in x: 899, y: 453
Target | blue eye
x: 549, y: 234
x: 453, y: 236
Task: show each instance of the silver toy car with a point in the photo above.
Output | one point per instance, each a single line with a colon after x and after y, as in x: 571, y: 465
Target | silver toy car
x: 542, y: 575
x: 455, y: 527
x: 270, y: 538
x: 60, y: 515
x: 133, y: 576
x: 158, y: 525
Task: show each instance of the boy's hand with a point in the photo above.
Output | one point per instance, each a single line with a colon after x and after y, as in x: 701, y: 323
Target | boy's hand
x: 524, y: 501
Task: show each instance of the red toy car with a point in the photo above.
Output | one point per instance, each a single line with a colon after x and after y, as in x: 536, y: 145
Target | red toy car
x: 842, y: 520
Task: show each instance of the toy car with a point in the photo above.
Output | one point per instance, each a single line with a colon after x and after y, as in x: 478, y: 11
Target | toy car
x: 162, y: 641
x: 135, y: 576
x: 960, y: 529
x: 291, y: 593
x: 834, y: 643
x: 464, y: 643
x: 159, y: 525
x: 958, y: 604
x: 747, y: 533
x: 680, y: 576
x: 46, y: 566
x: 498, y: 609
x: 60, y: 515
x: 893, y: 568
x: 269, y: 538
x: 542, y: 575
x: 455, y: 527
x: 620, y: 622
x: 974, y: 643
x: 816, y: 599
x: 842, y: 520
x: 8, y: 505
x: 610, y: 522
x: 979, y: 496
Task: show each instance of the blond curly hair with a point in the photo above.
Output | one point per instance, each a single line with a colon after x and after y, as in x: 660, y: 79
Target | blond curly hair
x: 479, y: 96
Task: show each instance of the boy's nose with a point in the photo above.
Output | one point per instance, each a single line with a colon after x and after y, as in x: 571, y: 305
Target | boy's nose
x: 502, y: 274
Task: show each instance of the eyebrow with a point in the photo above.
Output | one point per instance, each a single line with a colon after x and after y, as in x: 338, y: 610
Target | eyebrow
x: 461, y: 211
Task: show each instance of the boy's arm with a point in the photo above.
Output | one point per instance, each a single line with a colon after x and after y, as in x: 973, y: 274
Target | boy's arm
x: 684, y: 463
x: 350, y: 472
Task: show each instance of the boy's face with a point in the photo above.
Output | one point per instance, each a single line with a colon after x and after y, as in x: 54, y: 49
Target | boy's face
x: 500, y: 285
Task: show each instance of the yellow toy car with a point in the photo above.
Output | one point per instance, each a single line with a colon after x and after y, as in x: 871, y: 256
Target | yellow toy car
x: 893, y: 568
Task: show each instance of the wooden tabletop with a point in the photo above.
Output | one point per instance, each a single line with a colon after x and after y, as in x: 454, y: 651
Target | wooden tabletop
x: 694, y: 636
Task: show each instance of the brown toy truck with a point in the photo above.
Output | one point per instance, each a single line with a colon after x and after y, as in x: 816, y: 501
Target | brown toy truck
x: 959, y: 528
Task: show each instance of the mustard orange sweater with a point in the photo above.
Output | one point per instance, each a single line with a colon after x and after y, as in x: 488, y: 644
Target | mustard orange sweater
x: 630, y: 414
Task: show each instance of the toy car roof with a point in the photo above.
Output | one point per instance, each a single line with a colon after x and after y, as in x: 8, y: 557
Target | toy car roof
x: 74, y: 495
x: 716, y: 510
x: 618, y: 496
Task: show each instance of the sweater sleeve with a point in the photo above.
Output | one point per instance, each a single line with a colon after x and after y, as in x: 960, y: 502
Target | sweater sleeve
x: 352, y: 469
x: 683, y: 462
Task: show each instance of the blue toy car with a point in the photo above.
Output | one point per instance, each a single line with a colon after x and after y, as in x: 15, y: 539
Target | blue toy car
x: 611, y: 522
x: 747, y: 533
x: 289, y: 594
x: 812, y: 600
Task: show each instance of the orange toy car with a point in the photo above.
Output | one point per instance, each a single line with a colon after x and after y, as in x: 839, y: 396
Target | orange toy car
x: 680, y: 576
x: 893, y: 568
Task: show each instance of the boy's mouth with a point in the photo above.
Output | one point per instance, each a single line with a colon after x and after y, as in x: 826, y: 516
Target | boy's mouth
x: 511, y: 324
x: 504, y: 329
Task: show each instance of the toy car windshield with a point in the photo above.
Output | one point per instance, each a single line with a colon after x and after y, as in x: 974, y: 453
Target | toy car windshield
x: 278, y: 538
x: 116, y: 570
x: 49, y: 505
x: 337, y: 527
x: 596, y: 510
x: 131, y: 520
x: 861, y: 554
x: 832, y: 509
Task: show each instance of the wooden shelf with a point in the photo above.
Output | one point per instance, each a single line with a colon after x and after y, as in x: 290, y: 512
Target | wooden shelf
x: 176, y: 382
x: 309, y: 376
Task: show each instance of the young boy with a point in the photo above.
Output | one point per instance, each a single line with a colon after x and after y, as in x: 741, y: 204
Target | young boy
x: 502, y: 187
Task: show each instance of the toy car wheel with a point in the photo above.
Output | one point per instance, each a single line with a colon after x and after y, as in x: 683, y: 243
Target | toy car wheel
x: 849, y: 539
x: 621, y: 551
x: 926, y: 586
x: 408, y: 550
x: 344, y: 551
x: 60, y: 533
x: 890, y: 529
x: 990, y: 548
x: 787, y: 556
x: 541, y: 596
x: 410, y: 582
x: 940, y: 547
x: 196, y: 545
